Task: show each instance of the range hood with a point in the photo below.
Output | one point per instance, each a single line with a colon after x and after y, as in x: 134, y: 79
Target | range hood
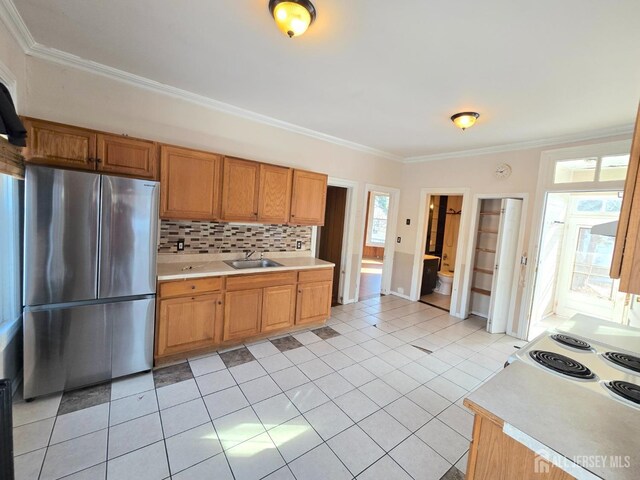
x: 608, y: 229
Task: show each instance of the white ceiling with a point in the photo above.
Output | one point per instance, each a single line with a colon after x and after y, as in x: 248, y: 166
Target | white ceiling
x: 385, y: 74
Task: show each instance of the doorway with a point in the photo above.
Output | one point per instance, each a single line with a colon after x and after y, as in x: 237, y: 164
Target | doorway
x: 440, y: 250
x: 331, y: 235
x: 573, y: 273
x: 376, y: 260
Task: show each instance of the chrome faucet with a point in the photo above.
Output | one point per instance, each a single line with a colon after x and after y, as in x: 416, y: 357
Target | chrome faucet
x: 247, y: 255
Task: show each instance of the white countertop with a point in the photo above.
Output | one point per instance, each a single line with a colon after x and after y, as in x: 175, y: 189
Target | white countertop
x: 558, y: 413
x: 179, y: 270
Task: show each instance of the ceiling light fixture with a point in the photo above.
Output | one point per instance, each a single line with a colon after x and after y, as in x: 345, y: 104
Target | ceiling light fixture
x: 465, y: 120
x: 293, y: 17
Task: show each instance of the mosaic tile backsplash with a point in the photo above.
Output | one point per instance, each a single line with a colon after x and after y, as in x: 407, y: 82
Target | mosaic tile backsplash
x: 211, y: 237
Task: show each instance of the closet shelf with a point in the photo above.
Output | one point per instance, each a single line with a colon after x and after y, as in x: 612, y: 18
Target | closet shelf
x: 483, y: 270
x: 486, y: 250
x: 481, y: 291
x: 495, y: 232
x: 490, y: 213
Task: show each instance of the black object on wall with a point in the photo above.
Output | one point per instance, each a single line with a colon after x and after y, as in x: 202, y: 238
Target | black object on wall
x: 442, y: 219
x: 10, y: 123
x: 6, y: 431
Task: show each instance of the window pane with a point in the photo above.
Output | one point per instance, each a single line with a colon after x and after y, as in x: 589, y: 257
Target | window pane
x: 591, y: 205
x: 378, y: 231
x: 380, y: 206
x: 614, y: 205
x: 575, y: 171
x: 614, y: 168
x: 591, y: 265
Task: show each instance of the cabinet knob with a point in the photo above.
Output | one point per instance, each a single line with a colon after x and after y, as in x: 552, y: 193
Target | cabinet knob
x: 90, y: 160
x: 98, y: 160
x: 193, y: 287
x: 299, y: 291
x: 219, y: 303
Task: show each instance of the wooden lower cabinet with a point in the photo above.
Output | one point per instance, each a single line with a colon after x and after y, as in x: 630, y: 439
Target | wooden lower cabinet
x: 278, y: 307
x: 187, y: 323
x: 493, y: 455
x: 205, y: 313
x: 313, y: 302
x: 242, y: 314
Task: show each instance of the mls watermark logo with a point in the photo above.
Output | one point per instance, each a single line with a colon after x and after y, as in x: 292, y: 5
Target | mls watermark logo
x: 541, y: 462
x: 544, y: 460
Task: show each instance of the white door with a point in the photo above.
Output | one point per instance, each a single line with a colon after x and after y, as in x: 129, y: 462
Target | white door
x: 584, y: 285
x: 502, y: 298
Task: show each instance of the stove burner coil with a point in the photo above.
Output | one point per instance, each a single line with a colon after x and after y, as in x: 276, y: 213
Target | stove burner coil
x: 628, y: 391
x: 623, y: 360
x: 561, y: 364
x: 571, y: 341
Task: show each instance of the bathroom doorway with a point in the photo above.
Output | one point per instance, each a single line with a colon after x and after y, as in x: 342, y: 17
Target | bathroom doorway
x: 440, y: 250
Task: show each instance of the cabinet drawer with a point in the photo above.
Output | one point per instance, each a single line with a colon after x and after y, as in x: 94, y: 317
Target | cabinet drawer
x: 190, y: 287
x: 317, y: 275
x: 260, y: 280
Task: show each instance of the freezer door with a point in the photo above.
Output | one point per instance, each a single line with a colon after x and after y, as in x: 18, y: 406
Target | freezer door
x: 128, y: 237
x: 132, y: 336
x: 61, y: 235
x: 65, y: 348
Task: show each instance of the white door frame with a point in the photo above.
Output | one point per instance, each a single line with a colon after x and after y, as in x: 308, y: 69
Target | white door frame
x: 545, y: 186
x: 421, y: 240
x: 475, y: 214
x: 350, y: 209
x: 390, y: 241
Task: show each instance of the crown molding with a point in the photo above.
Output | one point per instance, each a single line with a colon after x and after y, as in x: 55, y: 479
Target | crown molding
x: 13, y: 21
x: 510, y: 147
x: 10, y: 16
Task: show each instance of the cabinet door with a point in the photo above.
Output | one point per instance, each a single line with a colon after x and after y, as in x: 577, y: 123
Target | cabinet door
x: 240, y: 190
x: 59, y: 145
x: 308, y: 198
x: 314, y: 302
x: 626, y: 254
x: 278, y: 307
x: 127, y: 156
x: 187, y: 323
x: 242, y: 314
x: 274, y: 199
x: 189, y: 184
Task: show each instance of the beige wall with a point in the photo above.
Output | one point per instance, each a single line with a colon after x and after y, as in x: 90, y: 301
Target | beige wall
x: 15, y: 61
x: 77, y: 97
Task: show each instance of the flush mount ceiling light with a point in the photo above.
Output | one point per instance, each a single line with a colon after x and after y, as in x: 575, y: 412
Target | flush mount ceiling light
x: 465, y: 120
x: 293, y: 17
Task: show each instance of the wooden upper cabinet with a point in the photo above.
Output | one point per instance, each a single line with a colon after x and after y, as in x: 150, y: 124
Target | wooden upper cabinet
x: 626, y: 255
x: 190, y: 184
x: 308, y: 198
x: 127, y: 156
x: 274, y: 197
x: 59, y: 145
x: 240, y: 184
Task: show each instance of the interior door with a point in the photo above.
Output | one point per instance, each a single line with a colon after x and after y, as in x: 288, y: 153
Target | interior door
x: 128, y: 237
x: 500, y: 308
x: 61, y: 235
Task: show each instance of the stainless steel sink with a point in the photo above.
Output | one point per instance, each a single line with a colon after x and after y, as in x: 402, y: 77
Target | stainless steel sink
x: 262, y: 263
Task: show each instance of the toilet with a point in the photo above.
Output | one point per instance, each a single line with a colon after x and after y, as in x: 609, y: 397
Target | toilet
x: 445, y: 282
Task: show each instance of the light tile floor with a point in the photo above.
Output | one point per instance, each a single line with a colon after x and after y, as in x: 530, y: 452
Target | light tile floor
x: 375, y: 395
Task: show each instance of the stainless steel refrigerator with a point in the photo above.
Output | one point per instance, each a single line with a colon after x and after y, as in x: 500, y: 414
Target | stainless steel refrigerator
x: 90, y: 278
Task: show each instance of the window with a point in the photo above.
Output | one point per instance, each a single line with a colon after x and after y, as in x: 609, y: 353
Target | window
x: 377, y: 221
x: 10, y: 304
x: 592, y: 169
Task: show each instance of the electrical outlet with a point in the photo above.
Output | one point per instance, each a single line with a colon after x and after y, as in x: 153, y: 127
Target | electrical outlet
x: 299, y: 245
x: 399, y: 239
x: 408, y: 221
x: 180, y: 245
